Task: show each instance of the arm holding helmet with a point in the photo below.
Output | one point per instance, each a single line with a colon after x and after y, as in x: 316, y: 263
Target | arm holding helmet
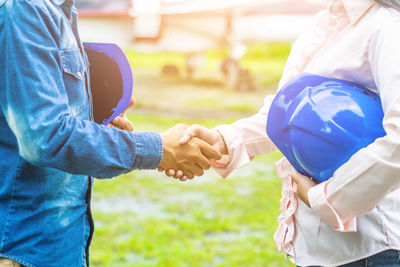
x: 373, y: 172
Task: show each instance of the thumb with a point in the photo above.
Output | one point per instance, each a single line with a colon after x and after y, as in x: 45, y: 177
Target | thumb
x: 221, y: 163
x: 185, y: 138
x: 189, y: 133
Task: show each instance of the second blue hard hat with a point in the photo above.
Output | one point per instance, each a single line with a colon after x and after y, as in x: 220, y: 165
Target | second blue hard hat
x: 111, y: 80
x: 319, y: 122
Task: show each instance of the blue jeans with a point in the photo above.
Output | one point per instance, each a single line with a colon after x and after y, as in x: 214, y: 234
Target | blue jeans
x: 387, y: 258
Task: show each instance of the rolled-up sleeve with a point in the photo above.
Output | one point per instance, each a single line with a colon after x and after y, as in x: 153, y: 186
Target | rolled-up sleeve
x: 374, y: 171
x: 34, y: 101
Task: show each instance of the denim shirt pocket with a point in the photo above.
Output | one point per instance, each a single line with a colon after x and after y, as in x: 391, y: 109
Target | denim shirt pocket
x: 74, y: 75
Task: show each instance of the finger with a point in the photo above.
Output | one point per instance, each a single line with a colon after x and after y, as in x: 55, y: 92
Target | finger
x: 179, y: 174
x: 302, y: 180
x: 170, y: 172
x: 131, y: 104
x: 114, y: 123
x: 218, y: 164
x: 196, y: 170
x: 123, y: 123
x: 160, y: 169
x: 186, y: 136
x: 130, y: 125
x: 189, y: 133
x: 188, y: 175
x: 209, y: 151
x: 201, y: 161
x: 111, y: 126
x: 304, y: 184
x: 193, y: 177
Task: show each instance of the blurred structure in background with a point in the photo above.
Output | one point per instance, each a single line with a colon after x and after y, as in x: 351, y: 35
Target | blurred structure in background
x: 106, y: 21
x: 195, y: 26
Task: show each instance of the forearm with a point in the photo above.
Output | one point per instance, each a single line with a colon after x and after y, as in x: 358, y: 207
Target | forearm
x: 372, y: 173
x: 358, y: 185
x: 246, y: 138
x: 84, y: 147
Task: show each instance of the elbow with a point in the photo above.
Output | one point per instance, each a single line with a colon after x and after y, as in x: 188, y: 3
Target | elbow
x: 39, y: 147
x: 43, y: 143
x: 34, y: 153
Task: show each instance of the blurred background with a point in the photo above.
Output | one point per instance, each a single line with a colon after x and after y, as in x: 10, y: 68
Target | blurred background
x: 208, y: 62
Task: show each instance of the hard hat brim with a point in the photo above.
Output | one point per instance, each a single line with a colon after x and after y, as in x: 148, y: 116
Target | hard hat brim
x: 111, y: 80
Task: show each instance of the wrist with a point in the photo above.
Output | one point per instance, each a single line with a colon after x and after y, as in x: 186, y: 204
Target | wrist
x: 166, y: 153
x: 220, y: 141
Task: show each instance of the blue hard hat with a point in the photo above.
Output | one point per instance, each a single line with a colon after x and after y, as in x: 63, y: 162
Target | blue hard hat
x: 319, y: 122
x: 111, y: 80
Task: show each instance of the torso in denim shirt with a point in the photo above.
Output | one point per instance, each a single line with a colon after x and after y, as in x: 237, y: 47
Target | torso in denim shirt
x: 43, y: 211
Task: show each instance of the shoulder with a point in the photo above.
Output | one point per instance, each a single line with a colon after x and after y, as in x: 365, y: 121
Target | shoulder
x: 380, y: 24
x: 35, y: 12
x: 387, y: 19
x: 26, y: 7
x: 31, y: 19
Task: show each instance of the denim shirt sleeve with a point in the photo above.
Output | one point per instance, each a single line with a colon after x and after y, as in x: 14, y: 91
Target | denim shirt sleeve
x: 35, y: 103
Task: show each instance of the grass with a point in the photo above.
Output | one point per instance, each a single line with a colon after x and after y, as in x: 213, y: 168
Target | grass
x: 220, y: 104
x: 147, y: 219
x: 140, y: 60
x: 265, y: 60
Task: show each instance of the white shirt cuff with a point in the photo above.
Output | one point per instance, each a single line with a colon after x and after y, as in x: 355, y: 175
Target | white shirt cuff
x: 320, y: 205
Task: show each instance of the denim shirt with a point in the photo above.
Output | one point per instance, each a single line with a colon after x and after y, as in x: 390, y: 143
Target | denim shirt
x: 49, y: 145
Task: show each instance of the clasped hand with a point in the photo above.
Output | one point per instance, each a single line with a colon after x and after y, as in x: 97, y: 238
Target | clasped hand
x: 191, y: 157
x: 183, y: 151
x: 210, y: 139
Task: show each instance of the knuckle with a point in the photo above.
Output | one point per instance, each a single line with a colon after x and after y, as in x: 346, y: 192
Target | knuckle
x: 195, y: 126
x: 194, y: 143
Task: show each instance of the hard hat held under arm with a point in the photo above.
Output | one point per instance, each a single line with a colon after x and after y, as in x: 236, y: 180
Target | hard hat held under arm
x: 371, y: 174
x: 111, y: 80
x: 319, y: 122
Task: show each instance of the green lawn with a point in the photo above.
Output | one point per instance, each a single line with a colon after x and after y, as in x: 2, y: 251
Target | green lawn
x: 264, y: 61
x: 147, y: 219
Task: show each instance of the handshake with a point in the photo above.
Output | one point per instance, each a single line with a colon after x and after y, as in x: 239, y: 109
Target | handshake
x: 189, y: 150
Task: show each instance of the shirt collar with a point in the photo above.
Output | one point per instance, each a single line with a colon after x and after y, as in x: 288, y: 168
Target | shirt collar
x: 355, y: 9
